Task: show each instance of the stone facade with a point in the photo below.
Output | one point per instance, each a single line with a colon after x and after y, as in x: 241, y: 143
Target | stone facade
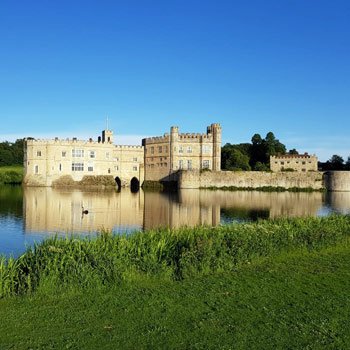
x: 167, y: 154
x: 293, y: 162
x: 47, y: 161
x: 337, y: 181
x: 250, y: 179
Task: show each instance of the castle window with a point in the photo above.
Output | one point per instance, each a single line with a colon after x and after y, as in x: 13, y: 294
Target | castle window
x: 116, y: 168
x: 181, y: 149
x: 92, y: 154
x: 64, y: 153
x: 189, y: 149
x: 282, y: 163
x: 205, y: 164
x: 109, y: 170
x: 181, y: 164
x: 77, y: 166
x: 90, y: 168
x: 303, y: 162
x: 135, y: 159
x: 165, y: 164
x: 205, y: 149
x: 152, y: 150
x: 134, y: 168
x: 60, y: 167
x: 189, y: 164
x: 160, y: 149
x: 38, y: 153
x: 36, y: 169
x: 78, y: 153
x: 303, y: 169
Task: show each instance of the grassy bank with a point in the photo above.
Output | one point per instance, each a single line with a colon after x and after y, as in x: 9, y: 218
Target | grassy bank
x: 271, y: 284
x: 11, y: 174
x: 297, y: 300
x: 175, y: 255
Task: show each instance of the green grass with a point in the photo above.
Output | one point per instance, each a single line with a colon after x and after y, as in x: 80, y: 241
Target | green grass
x: 11, y: 174
x: 298, y: 300
x: 173, y: 254
x: 281, y: 284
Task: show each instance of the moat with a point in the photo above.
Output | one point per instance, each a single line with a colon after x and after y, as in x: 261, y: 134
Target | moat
x: 31, y: 214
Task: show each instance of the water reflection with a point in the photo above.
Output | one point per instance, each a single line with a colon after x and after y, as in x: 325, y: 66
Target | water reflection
x: 44, y: 211
x: 52, y: 210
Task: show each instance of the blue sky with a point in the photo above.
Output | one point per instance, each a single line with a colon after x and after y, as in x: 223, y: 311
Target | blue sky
x: 253, y: 66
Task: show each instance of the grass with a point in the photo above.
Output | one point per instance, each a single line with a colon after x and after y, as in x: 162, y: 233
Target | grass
x: 173, y: 254
x: 11, y: 174
x: 273, y: 284
x: 298, y: 300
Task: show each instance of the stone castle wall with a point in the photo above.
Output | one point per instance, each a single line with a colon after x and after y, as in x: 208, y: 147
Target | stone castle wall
x: 48, y: 161
x: 337, y: 180
x: 171, y: 152
x: 249, y: 179
x: 295, y: 162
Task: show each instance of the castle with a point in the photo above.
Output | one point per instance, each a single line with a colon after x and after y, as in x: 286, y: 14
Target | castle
x: 49, y: 162
x: 46, y: 162
x: 294, y: 162
x: 166, y: 154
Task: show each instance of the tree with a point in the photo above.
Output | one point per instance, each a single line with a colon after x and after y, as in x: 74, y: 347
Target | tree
x: 232, y: 158
x: 347, y: 164
x: 337, y: 162
x: 256, y: 139
x: 293, y: 151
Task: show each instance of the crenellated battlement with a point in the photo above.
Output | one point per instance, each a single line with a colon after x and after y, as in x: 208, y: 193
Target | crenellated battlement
x: 294, y: 156
x: 62, y: 142
x: 128, y: 147
x: 157, y: 139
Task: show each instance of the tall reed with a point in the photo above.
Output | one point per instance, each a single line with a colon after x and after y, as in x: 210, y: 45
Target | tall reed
x: 165, y: 253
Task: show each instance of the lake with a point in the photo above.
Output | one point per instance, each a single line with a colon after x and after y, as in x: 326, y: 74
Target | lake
x: 32, y: 214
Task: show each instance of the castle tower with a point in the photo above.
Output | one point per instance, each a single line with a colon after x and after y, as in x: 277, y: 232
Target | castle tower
x: 216, y: 132
x: 174, y: 136
x: 107, y: 136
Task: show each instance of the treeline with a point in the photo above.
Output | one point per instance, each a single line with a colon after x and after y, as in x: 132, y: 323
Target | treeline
x: 11, y: 153
x: 336, y: 162
x: 254, y: 155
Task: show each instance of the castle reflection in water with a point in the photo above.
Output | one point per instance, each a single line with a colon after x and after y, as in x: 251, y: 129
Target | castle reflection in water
x: 52, y: 210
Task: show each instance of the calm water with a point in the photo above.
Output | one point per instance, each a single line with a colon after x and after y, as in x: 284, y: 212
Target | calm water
x: 31, y: 214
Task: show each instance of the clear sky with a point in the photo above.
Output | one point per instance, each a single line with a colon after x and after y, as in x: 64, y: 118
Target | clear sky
x: 253, y: 66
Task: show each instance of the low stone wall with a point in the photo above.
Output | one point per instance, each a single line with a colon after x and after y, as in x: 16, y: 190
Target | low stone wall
x: 337, y: 180
x: 67, y: 181
x: 250, y: 179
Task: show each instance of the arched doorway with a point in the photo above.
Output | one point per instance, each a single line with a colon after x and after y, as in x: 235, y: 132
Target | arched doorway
x: 134, y: 184
x: 118, y: 182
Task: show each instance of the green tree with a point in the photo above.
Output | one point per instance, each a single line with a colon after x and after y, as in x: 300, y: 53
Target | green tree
x: 347, y: 164
x: 232, y: 158
x: 337, y: 162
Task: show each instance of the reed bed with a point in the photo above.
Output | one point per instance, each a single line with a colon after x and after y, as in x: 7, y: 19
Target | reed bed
x: 174, y: 254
